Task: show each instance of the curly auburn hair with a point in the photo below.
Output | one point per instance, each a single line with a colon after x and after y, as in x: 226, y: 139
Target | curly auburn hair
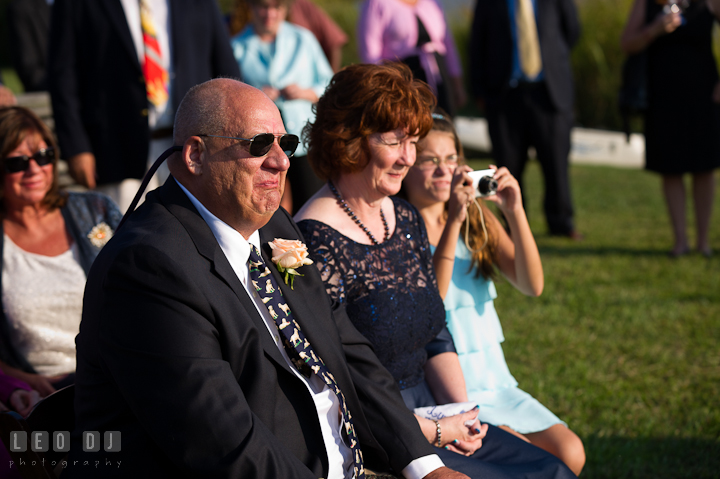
x: 362, y: 100
x: 16, y: 124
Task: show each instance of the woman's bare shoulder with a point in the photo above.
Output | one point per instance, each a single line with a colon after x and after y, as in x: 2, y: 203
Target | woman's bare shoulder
x: 320, y: 207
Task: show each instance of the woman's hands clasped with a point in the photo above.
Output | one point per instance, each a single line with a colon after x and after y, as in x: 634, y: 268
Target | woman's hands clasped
x: 459, y: 437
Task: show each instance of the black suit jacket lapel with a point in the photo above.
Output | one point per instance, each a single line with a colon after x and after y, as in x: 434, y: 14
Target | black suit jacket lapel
x: 116, y: 16
x: 42, y: 10
x: 540, y: 9
x: 181, y: 22
x: 177, y: 202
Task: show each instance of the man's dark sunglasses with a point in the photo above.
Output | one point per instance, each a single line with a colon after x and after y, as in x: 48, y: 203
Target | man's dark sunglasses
x: 21, y: 163
x: 261, y: 143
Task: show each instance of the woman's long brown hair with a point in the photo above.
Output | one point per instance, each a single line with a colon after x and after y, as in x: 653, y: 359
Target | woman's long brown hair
x: 483, y: 258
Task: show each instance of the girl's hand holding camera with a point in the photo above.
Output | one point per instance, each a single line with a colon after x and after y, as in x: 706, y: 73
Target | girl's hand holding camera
x: 508, y: 197
x: 461, y: 194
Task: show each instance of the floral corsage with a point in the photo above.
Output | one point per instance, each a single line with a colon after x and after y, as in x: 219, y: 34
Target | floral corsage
x: 100, y: 234
x: 288, y: 255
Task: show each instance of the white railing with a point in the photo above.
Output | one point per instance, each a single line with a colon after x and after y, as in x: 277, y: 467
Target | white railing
x: 589, y: 147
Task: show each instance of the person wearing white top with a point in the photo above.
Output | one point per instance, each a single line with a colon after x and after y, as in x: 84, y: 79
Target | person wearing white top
x: 48, y: 241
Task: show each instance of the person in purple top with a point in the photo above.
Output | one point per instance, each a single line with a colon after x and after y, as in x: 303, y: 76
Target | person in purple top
x: 20, y: 397
x: 416, y: 33
x: 17, y: 395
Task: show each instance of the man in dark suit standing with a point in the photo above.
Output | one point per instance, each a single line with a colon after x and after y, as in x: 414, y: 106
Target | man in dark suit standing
x: 29, y: 26
x: 520, y: 72
x: 117, y: 70
x: 181, y: 350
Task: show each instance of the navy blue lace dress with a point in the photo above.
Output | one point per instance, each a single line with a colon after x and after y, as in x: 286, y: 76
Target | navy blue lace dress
x: 389, y: 290
x: 390, y: 293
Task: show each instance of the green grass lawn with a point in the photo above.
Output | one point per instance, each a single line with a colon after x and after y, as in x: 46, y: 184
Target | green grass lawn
x: 624, y: 343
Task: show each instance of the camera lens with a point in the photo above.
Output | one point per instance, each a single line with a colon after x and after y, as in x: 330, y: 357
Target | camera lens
x: 487, y: 186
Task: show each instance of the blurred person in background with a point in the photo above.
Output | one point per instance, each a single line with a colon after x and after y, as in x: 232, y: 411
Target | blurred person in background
x: 416, y: 33
x: 285, y: 62
x: 439, y: 187
x: 520, y: 73
x: 29, y: 28
x: 117, y: 69
x: 328, y: 33
x: 49, y: 241
x: 682, y: 122
x: 306, y: 14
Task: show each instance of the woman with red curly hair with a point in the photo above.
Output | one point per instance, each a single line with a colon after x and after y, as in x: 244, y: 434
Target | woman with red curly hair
x: 373, y: 253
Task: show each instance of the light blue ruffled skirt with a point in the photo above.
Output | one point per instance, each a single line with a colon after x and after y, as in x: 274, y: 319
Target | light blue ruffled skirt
x: 477, y: 333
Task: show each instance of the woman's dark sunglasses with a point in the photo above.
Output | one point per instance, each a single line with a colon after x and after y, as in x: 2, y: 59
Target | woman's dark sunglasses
x: 261, y: 143
x: 21, y: 163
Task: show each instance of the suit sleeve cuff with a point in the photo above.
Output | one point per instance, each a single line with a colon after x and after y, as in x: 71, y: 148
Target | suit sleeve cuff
x: 422, y: 466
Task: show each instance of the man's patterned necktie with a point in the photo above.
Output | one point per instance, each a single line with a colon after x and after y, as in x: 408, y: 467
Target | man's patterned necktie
x: 156, y: 76
x: 297, y: 346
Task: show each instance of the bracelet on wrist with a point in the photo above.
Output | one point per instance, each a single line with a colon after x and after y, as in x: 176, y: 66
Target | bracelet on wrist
x: 439, y: 432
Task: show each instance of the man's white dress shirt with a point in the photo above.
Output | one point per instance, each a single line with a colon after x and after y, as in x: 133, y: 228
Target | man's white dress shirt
x: 340, y: 461
x: 157, y: 117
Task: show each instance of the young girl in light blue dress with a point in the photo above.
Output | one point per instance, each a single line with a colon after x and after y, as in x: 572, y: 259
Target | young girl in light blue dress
x: 470, y: 247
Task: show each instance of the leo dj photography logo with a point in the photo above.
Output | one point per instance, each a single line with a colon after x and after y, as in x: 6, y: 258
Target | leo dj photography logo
x: 40, y: 441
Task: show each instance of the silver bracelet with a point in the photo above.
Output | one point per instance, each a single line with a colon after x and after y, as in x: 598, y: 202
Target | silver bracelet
x: 439, y: 432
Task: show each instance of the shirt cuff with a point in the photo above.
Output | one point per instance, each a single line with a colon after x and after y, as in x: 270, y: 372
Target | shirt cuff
x: 422, y: 466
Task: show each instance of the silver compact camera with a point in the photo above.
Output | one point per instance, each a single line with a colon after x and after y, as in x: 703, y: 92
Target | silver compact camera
x: 483, y: 183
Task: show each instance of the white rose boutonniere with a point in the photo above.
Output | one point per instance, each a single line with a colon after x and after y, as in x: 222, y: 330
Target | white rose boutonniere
x: 100, y: 234
x: 288, y: 255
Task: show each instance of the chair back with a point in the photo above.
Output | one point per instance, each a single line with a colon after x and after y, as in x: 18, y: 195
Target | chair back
x: 53, y: 413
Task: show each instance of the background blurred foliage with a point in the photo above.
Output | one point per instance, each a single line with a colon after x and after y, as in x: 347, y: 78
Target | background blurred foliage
x: 597, y: 62
x: 597, y: 58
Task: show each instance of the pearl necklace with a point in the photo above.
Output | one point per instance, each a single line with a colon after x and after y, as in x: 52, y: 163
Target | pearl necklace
x: 357, y: 221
